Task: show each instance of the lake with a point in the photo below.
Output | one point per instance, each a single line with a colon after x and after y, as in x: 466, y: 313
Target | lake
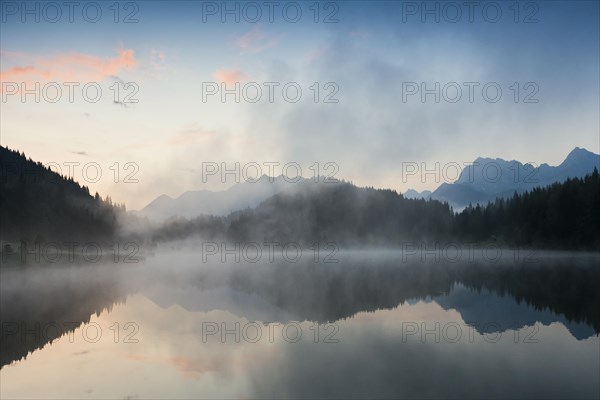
x: 371, y: 324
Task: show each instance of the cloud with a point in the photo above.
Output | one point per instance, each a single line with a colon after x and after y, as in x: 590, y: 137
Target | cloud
x: 73, y: 67
x: 190, y: 134
x: 15, y: 72
x: 255, y: 41
x: 229, y: 77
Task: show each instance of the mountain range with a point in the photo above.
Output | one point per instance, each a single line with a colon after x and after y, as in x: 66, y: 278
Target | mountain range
x: 482, y: 182
x: 487, y: 179
x: 38, y: 205
x: 192, y: 204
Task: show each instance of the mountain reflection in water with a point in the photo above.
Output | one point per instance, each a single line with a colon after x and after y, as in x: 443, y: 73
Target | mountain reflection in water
x: 489, y: 297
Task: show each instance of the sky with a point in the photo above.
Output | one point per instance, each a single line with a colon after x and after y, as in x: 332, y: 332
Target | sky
x: 139, y: 99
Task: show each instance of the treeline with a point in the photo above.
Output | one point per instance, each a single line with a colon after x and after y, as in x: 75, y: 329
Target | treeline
x: 561, y: 216
x: 344, y: 214
x: 322, y: 212
x: 40, y: 205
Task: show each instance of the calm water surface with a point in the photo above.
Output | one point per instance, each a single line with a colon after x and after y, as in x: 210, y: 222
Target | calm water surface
x: 371, y: 325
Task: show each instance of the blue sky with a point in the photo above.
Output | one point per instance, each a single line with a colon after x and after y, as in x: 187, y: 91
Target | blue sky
x: 368, y: 57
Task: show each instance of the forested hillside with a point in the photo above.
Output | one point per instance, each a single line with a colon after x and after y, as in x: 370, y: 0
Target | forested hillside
x: 562, y: 215
x: 37, y: 204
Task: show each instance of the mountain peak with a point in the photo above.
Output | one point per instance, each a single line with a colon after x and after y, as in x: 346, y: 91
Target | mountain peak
x: 579, y: 151
x: 476, y: 185
x: 413, y: 194
x: 580, y: 156
x: 162, y: 198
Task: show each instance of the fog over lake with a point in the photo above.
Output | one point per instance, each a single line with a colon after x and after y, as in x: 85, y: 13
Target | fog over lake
x: 372, y: 324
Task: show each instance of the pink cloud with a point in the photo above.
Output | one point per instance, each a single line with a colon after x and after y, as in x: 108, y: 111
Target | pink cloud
x: 69, y: 67
x: 15, y: 72
x: 229, y: 77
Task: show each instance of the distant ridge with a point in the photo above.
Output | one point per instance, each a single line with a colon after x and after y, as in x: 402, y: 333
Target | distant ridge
x: 490, y: 178
x: 413, y: 194
x: 192, y: 204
